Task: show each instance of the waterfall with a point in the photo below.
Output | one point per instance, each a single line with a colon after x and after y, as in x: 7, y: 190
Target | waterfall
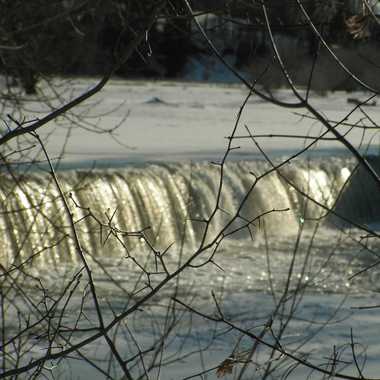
x: 170, y: 203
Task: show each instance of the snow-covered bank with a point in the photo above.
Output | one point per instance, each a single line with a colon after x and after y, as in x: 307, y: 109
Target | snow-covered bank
x: 179, y: 121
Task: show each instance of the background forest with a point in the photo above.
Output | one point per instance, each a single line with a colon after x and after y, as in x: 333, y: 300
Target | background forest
x: 42, y: 37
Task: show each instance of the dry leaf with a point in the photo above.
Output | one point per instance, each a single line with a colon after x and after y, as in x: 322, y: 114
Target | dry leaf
x: 225, y: 367
x: 358, y: 26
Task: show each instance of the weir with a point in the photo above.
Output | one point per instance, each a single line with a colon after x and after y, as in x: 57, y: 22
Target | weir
x: 170, y: 202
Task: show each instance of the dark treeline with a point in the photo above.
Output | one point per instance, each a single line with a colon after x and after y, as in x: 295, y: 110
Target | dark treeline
x: 72, y: 37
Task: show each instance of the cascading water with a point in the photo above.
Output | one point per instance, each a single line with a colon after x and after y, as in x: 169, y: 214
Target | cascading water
x: 173, y: 200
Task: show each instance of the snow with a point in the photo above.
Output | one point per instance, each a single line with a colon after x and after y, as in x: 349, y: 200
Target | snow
x: 186, y: 120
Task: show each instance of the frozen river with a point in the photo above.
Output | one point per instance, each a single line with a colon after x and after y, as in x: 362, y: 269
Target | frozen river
x: 154, y: 171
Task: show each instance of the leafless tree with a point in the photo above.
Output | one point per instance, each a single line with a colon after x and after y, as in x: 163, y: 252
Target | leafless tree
x: 52, y: 222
